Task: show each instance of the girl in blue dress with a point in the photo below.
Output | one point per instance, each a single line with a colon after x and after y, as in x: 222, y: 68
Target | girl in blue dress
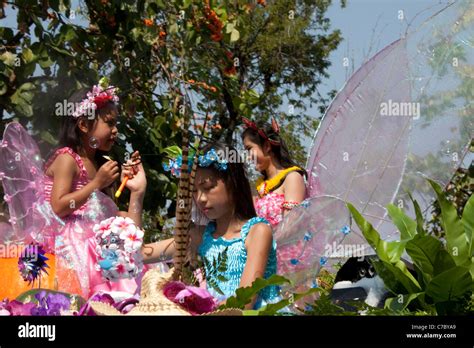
x: 222, y: 193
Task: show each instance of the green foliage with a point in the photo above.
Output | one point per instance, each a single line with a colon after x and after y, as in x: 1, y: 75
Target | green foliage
x: 445, y: 273
x: 216, y: 269
x: 244, y: 296
x: 153, y: 50
x: 458, y: 191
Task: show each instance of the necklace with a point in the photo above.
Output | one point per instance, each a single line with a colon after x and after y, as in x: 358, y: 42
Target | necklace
x: 266, y: 186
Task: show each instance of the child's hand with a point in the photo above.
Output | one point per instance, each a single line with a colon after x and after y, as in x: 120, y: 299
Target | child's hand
x: 137, y: 178
x: 107, y: 174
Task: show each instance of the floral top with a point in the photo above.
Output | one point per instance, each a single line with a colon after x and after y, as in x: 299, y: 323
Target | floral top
x: 227, y: 279
x: 270, y: 207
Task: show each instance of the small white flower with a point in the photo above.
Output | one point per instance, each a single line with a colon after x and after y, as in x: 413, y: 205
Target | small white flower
x: 133, y: 239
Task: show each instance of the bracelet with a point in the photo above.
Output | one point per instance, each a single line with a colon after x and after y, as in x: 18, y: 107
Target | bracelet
x: 288, y: 205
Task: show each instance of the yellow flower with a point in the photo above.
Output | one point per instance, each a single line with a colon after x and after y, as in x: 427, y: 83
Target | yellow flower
x: 264, y: 187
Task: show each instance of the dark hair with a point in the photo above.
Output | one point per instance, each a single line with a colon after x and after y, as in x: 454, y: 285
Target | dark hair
x: 69, y: 133
x: 235, y: 180
x: 280, y: 151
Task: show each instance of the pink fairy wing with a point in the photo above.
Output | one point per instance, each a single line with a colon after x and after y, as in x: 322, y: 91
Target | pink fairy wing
x: 22, y: 178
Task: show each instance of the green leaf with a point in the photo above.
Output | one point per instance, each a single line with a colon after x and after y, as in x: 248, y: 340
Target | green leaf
x: 456, y: 239
x: 419, y: 216
x: 28, y: 55
x: 187, y: 3
x: 6, y: 34
x: 3, y: 87
x: 222, y: 278
x: 173, y: 28
x: 61, y: 50
x: 22, y: 99
x: 229, y: 27
x: 8, y: 58
x: 173, y: 151
x: 405, y: 225
x: 443, y: 262
x: 234, y: 35
x: 273, y: 308
x: 397, y: 277
x: 371, y: 235
x: 395, y: 250
x: 250, y: 312
x: 423, y: 251
x: 451, y: 284
x: 402, y: 301
x: 214, y: 286
x: 244, y: 296
x: 468, y: 222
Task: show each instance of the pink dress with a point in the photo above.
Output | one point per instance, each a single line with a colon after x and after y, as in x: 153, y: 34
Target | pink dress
x: 75, y: 242
x: 270, y: 207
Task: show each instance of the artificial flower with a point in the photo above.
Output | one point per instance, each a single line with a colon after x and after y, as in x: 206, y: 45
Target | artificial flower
x: 193, y: 299
x: 32, y: 263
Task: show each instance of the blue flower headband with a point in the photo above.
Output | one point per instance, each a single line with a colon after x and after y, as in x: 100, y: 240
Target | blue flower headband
x: 208, y: 159
x: 211, y: 157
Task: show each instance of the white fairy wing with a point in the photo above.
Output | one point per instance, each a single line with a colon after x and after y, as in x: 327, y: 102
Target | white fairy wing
x: 402, y: 117
x: 358, y: 154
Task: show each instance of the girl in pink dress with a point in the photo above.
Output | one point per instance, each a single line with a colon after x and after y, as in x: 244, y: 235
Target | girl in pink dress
x: 282, y: 185
x: 62, y: 201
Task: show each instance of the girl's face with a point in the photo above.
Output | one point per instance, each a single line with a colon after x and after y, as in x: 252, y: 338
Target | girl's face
x: 103, y: 133
x: 211, y: 195
x: 257, y: 152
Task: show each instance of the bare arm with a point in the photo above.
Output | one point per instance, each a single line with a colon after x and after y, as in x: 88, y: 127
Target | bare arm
x: 64, y: 168
x: 135, y: 208
x: 63, y: 201
x: 137, y: 185
x: 158, y: 251
x: 165, y: 249
x: 294, y: 188
x: 258, y: 244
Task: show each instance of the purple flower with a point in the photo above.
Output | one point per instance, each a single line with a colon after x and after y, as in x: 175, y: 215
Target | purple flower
x: 50, y: 304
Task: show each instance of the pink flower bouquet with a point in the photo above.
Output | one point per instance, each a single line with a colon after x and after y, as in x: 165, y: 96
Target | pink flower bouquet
x: 118, y: 243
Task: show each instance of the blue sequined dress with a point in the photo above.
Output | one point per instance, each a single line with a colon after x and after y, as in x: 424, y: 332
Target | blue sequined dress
x: 212, y: 250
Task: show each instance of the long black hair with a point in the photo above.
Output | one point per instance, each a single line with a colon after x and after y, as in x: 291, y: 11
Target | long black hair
x: 70, y: 134
x: 235, y: 180
x: 280, y: 150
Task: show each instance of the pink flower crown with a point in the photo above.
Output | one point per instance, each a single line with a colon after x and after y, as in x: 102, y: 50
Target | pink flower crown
x: 97, y: 98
